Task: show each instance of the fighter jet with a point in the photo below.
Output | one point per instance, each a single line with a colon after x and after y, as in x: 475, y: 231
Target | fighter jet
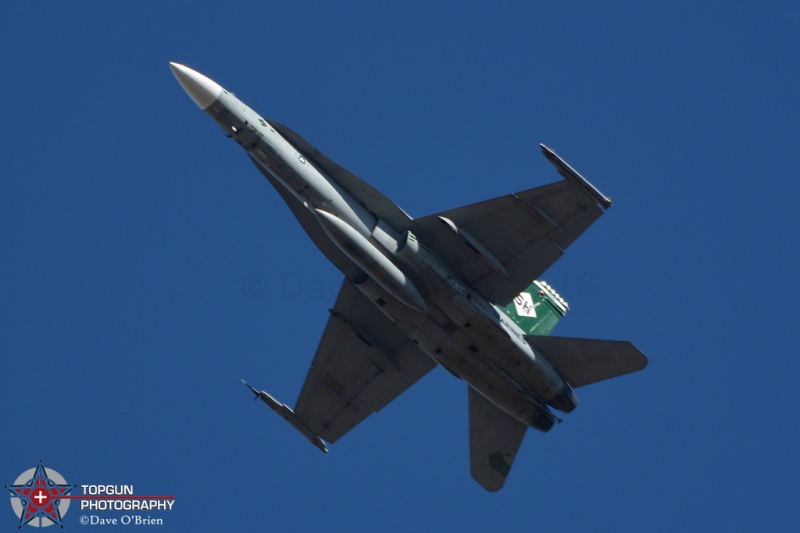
x: 458, y: 289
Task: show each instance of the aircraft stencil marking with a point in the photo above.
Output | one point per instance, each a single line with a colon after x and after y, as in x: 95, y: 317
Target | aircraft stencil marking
x: 525, y: 306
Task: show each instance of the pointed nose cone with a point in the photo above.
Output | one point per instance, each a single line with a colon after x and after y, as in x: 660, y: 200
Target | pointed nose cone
x: 203, y: 90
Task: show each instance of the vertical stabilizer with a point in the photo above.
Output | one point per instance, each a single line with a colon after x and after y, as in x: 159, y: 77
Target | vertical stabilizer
x: 537, y: 309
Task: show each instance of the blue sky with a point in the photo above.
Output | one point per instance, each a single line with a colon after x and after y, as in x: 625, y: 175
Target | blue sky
x: 147, y: 266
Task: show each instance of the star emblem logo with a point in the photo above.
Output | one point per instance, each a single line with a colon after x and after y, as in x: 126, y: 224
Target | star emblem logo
x: 37, y: 494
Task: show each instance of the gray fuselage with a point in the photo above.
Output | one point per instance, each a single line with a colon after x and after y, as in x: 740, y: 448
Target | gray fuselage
x: 406, y: 280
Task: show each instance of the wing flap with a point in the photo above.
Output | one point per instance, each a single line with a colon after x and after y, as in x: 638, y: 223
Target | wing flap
x: 584, y: 361
x: 494, y: 438
x: 363, y: 362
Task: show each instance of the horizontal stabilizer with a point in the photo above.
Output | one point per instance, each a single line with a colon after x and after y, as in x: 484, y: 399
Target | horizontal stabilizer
x: 494, y: 438
x: 584, y: 361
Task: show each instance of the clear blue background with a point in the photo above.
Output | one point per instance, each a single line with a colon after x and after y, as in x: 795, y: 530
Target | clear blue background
x: 147, y: 266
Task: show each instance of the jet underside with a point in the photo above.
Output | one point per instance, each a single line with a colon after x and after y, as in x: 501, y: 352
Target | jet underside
x: 461, y: 331
x: 420, y: 292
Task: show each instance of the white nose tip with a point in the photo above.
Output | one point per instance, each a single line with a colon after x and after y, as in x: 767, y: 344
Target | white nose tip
x: 203, y: 90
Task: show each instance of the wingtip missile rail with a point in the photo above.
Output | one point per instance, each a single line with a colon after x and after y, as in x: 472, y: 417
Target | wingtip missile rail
x: 290, y: 416
x: 572, y: 175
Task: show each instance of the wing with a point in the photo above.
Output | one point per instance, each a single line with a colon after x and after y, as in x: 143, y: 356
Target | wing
x: 494, y: 438
x: 363, y: 362
x: 526, y: 232
x: 501, y: 245
x: 584, y: 361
